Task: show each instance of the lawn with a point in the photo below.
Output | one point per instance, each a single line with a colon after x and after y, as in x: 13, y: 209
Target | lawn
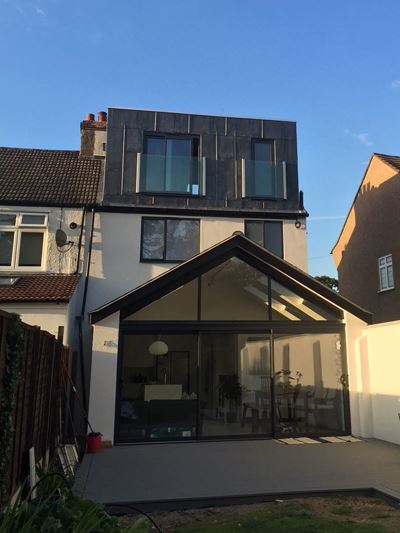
x: 311, y: 515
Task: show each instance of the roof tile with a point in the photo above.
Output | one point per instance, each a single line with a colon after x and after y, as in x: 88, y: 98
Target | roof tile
x: 48, y: 176
x: 40, y: 288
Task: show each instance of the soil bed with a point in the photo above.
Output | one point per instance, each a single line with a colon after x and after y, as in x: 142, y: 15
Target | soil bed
x: 331, y: 514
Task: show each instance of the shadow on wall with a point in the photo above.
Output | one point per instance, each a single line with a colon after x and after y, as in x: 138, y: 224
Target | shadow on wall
x: 375, y: 416
x: 115, y: 265
x: 373, y: 227
x: 374, y: 391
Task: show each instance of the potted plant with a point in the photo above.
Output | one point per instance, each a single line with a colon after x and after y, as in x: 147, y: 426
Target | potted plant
x: 232, y: 391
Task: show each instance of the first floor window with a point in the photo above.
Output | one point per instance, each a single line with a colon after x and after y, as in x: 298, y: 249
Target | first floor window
x: 169, y: 239
x: 267, y: 234
x: 22, y: 240
x: 385, y: 265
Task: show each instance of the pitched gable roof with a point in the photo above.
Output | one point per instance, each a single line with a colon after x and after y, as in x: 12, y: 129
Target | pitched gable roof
x: 40, y: 288
x: 48, y: 177
x: 237, y: 245
x: 392, y: 160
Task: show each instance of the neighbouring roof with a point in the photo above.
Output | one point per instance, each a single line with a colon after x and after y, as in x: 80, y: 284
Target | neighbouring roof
x: 391, y: 160
x: 40, y: 288
x: 60, y: 177
x: 237, y: 245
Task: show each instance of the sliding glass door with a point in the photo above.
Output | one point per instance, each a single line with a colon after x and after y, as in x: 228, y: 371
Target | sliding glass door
x: 157, y: 397
x: 230, y: 384
x: 235, y: 385
x: 309, y: 384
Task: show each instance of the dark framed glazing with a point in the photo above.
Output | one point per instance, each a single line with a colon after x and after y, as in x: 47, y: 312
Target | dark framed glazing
x: 264, y: 390
x: 266, y: 233
x: 169, y: 240
x: 170, y: 164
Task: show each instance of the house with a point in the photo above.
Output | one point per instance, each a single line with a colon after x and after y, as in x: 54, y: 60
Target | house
x: 205, y: 322
x: 171, y: 249
x: 46, y: 198
x: 367, y: 251
x: 367, y: 256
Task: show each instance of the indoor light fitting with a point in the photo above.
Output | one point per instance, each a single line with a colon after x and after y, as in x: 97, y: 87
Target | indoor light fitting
x: 158, y: 348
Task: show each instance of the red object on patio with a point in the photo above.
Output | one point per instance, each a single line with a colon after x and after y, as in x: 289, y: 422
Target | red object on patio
x: 93, y: 442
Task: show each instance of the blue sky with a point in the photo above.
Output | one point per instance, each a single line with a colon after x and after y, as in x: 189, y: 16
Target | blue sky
x: 331, y: 66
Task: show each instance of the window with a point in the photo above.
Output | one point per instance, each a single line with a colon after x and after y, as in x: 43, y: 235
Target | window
x: 22, y: 240
x: 263, y: 182
x: 171, y: 165
x: 267, y: 234
x: 262, y: 150
x: 169, y: 239
x: 262, y: 175
x: 385, y: 265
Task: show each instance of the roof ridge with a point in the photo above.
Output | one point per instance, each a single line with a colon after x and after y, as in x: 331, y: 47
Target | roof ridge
x: 20, y: 149
x: 36, y: 175
x: 383, y: 158
x: 386, y: 159
x: 37, y: 274
x: 385, y: 155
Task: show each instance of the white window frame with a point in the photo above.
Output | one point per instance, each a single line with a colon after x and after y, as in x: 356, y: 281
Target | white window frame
x: 385, y: 265
x: 18, y: 229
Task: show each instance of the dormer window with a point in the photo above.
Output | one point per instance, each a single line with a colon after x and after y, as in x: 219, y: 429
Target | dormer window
x: 262, y: 175
x: 171, y: 164
x: 22, y: 237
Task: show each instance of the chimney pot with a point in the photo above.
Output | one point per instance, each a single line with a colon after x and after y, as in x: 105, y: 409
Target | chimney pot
x: 102, y: 116
x: 89, y: 116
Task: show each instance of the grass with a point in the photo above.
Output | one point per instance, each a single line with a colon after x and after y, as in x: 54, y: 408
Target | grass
x: 347, y: 514
x: 292, y: 517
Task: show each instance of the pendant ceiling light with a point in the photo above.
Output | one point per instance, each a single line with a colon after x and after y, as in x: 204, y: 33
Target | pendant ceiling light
x: 158, y: 348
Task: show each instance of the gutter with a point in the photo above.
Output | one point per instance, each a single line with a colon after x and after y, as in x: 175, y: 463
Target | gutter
x: 291, y: 214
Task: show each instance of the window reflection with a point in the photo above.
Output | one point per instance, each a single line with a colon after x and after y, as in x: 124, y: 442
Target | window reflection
x: 309, y: 370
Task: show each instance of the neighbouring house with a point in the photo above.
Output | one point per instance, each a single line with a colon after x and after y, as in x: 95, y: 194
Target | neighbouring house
x: 46, y: 198
x: 205, y: 322
x: 367, y: 251
x: 367, y: 256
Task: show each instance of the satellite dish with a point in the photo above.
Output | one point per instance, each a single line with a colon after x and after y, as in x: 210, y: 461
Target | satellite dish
x: 61, y: 238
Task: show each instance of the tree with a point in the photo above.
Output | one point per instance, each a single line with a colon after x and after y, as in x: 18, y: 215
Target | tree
x: 332, y: 283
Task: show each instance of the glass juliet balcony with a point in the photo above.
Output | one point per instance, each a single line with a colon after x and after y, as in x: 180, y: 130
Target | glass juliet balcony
x: 174, y: 174
x: 264, y: 179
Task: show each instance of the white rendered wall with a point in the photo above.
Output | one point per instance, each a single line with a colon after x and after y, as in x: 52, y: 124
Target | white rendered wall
x: 115, y: 265
x: 359, y: 377
x: 47, y: 316
x: 103, y: 380
x: 374, y: 369
x: 295, y: 243
x: 384, y: 357
x: 116, y: 268
x: 64, y: 260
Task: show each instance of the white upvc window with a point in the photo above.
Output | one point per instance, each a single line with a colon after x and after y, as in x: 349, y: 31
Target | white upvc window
x: 385, y: 266
x: 22, y: 240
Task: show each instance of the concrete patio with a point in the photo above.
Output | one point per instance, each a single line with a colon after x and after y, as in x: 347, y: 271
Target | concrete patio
x: 192, y: 474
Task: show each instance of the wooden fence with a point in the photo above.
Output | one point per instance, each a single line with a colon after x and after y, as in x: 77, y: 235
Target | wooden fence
x: 41, y: 397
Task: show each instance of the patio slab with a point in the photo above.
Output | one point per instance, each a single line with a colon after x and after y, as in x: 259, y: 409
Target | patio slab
x: 173, y: 475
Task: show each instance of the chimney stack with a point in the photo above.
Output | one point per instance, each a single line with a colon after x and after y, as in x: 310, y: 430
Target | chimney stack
x: 102, y: 116
x: 94, y: 135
